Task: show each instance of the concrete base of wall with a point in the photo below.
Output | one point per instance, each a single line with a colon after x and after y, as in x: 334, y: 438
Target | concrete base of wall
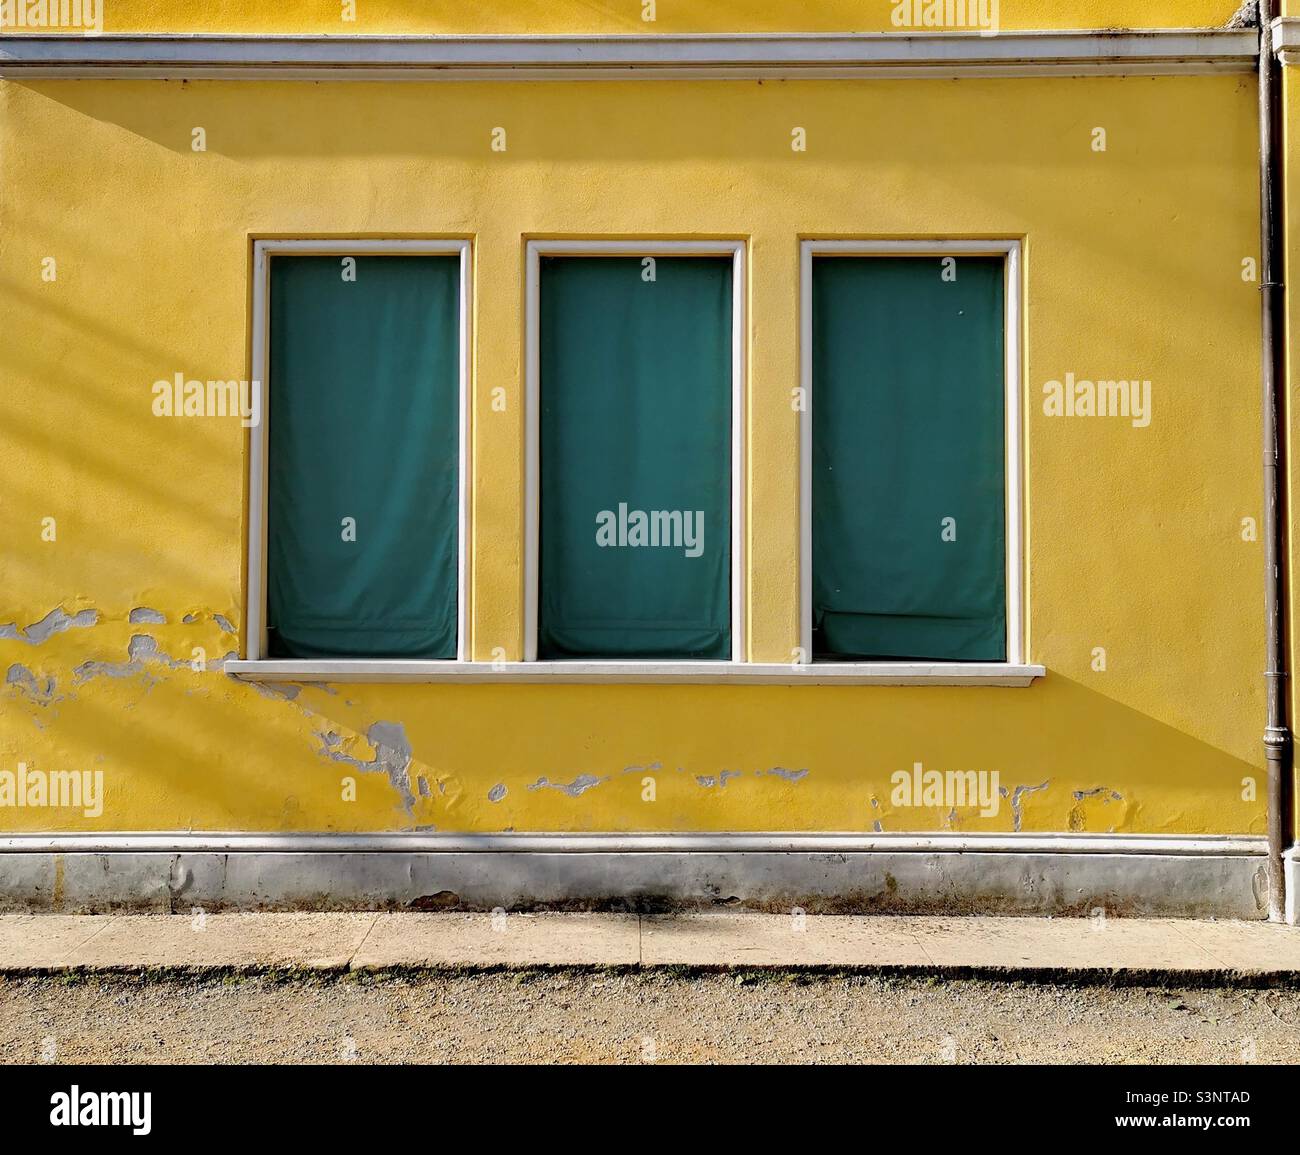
x: 1195, y: 878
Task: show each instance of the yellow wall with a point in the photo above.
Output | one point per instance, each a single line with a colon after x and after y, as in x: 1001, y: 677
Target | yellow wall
x: 470, y: 17
x: 1133, y: 263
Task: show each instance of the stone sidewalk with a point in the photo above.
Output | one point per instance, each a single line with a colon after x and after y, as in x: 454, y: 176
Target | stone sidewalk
x: 949, y: 946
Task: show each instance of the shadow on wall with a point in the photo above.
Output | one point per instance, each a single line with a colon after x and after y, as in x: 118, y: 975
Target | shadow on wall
x: 182, y: 749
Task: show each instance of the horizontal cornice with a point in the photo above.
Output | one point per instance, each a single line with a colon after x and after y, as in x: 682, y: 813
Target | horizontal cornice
x: 746, y: 56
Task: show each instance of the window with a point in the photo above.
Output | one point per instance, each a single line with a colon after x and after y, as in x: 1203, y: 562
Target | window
x: 634, y: 413
x: 362, y: 455
x: 910, y: 453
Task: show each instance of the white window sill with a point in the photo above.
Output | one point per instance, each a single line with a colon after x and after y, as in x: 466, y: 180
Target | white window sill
x: 664, y: 673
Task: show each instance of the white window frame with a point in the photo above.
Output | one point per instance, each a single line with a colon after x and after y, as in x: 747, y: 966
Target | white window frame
x: 264, y: 252
x: 731, y: 249
x: 1010, y: 250
x: 257, y: 668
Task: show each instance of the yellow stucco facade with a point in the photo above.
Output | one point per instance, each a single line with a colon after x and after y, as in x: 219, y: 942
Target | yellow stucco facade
x: 1139, y: 540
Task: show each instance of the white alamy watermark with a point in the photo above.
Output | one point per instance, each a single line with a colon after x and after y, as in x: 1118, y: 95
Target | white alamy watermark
x: 180, y: 397
x: 957, y: 15
x: 77, y: 1108
x: 1079, y: 397
x: 58, y: 789
x: 653, y: 529
x: 947, y: 789
x: 85, y: 16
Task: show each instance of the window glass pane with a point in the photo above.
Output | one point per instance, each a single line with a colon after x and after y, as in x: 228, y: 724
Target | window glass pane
x: 635, y: 458
x: 909, y: 500
x: 364, y: 406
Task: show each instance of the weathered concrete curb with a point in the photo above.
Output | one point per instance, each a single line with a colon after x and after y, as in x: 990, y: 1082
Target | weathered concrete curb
x: 875, y: 882
x: 1105, y: 949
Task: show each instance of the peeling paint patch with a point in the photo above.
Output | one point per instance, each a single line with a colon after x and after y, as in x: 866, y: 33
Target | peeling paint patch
x: 392, y: 757
x: 283, y: 691
x: 1077, y: 820
x: 581, y: 784
x: 55, y: 622
x: 497, y: 792
x: 643, y: 769
x: 145, y: 615
x: 139, y: 649
x: 1017, y: 794
x: 40, y: 690
x: 224, y: 623
x: 788, y: 775
x: 708, y: 781
x: 1099, y: 792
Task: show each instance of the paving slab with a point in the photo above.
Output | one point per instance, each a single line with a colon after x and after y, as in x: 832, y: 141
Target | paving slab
x: 41, y: 941
x: 738, y: 939
x: 1250, y: 947
x: 224, y: 940
x: 703, y: 939
x: 1065, y: 944
x: 501, y: 940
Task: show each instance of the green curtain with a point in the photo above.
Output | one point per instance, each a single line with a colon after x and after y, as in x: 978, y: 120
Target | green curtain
x: 635, y: 432
x: 364, y: 411
x: 908, y: 431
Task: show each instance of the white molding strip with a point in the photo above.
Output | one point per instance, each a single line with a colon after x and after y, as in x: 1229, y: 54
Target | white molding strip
x: 739, y: 56
x: 166, y: 842
x: 358, y: 670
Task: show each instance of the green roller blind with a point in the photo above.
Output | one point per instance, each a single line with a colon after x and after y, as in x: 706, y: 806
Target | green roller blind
x: 909, y: 500
x: 635, y: 458
x: 364, y: 409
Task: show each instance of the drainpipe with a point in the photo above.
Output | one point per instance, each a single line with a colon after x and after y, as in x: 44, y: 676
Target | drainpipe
x: 1277, y: 735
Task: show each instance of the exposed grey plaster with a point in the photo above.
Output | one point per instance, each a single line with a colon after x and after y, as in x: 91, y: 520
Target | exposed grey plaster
x: 709, y: 780
x: 1099, y: 792
x: 143, y: 615
x: 581, y: 783
x: 497, y: 792
x: 1017, y: 794
x: 789, y: 775
x: 284, y: 691
x: 38, y: 689
x: 55, y: 622
x: 139, y: 649
x: 392, y: 757
x: 224, y: 623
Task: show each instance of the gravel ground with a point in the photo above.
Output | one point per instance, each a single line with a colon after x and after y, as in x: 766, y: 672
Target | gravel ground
x: 610, y: 1017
